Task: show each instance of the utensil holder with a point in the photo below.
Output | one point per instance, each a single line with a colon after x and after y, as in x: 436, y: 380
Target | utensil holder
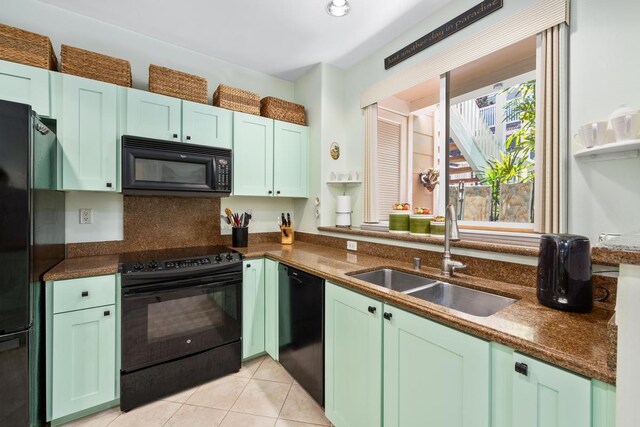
x: 287, y: 235
x: 240, y: 237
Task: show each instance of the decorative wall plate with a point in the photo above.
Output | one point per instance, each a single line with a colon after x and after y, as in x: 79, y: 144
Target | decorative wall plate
x: 334, y: 150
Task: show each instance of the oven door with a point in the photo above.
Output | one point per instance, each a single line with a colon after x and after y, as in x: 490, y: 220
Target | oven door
x: 161, y: 322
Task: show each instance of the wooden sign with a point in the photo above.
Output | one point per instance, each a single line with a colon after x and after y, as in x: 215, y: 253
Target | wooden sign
x: 463, y: 20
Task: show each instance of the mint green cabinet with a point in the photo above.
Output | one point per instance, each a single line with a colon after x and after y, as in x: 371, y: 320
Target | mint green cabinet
x: 253, y: 308
x: 549, y: 397
x: 152, y: 115
x: 603, y: 406
x: 433, y: 375
x: 252, y: 155
x: 353, y: 358
x: 87, y: 133
x: 84, y: 369
x: 27, y: 85
x: 290, y: 160
x: 206, y: 125
x: 271, y: 331
x: 82, y: 346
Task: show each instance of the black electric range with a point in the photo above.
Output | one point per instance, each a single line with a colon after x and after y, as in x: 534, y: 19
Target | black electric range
x: 181, y: 320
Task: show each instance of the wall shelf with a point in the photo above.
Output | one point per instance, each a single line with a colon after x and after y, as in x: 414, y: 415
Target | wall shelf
x: 344, y: 182
x: 611, y: 151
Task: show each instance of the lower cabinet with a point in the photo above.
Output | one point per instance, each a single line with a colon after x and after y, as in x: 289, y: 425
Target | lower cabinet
x: 529, y: 393
x: 386, y: 366
x: 252, y: 308
x: 353, y: 358
x: 271, y: 333
x: 433, y: 375
x: 84, y: 369
x: 82, y: 352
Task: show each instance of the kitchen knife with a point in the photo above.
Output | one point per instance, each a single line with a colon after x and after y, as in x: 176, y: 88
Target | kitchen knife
x: 288, y: 220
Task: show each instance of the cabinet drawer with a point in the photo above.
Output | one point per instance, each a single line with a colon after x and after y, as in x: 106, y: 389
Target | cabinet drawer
x: 87, y: 292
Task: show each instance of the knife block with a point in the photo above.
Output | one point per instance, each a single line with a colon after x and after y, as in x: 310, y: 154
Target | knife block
x: 286, y: 234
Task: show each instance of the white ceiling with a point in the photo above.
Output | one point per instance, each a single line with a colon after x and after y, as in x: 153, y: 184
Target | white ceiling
x: 278, y: 37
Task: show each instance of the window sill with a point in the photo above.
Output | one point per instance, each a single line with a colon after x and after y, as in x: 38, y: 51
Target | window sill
x: 493, y: 241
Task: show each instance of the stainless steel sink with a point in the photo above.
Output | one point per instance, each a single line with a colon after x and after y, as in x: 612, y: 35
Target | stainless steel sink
x: 463, y: 299
x: 394, y: 279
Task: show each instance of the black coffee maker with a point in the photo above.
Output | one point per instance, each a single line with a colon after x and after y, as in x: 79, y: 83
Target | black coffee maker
x: 564, y: 272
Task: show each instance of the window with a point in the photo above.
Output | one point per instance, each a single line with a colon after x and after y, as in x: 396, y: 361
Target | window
x: 494, y: 180
x: 390, y: 161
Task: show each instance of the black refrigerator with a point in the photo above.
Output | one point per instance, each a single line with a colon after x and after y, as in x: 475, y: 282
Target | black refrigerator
x: 31, y: 242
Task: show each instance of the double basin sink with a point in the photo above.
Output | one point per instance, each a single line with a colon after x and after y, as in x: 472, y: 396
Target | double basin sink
x: 456, y: 297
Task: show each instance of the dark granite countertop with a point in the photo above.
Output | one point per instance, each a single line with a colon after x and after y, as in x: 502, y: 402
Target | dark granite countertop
x: 624, y: 249
x: 577, y: 342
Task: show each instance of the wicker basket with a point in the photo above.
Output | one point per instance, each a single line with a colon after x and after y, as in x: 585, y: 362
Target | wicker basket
x: 95, y: 66
x: 27, y: 48
x: 174, y: 83
x: 279, y: 109
x: 235, y: 99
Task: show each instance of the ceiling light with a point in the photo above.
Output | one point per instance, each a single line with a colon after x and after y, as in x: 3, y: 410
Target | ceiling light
x: 338, y: 8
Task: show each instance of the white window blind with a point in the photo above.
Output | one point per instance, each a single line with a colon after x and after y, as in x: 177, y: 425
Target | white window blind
x: 388, y: 166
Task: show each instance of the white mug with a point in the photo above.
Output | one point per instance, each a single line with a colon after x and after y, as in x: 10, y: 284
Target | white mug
x: 593, y: 134
x: 626, y: 127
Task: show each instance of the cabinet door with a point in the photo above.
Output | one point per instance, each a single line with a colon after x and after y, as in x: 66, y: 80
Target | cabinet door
x: 433, y: 375
x: 153, y: 116
x: 290, y: 160
x: 83, y: 360
x: 252, y: 308
x: 603, y: 407
x: 353, y: 358
x: 252, y: 155
x: 547, y: 396
x: 271, y: 333
x: 89, y: 135
x: 27, y: 85
x: 206, y: 125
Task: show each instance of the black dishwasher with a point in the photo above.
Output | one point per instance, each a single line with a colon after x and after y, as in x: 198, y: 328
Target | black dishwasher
x: 301, y: 328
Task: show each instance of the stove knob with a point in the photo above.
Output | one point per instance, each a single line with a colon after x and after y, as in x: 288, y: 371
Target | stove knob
x: 229, y: 256
x: 218, y: 258
x: 138, y: 266
x: 153, y: 265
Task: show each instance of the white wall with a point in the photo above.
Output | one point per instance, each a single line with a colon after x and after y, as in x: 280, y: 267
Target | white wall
x: 64, y: 27
x: 107, y: 221
x: 604, y: 62
x: 265, y: 212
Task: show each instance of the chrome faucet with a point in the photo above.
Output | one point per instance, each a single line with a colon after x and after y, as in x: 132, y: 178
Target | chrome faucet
x: 451, y: 234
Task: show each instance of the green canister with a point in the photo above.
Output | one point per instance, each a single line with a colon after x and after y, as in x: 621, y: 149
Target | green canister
x: 437, y: 228
x: 399, y: 222
x: 419, y: 224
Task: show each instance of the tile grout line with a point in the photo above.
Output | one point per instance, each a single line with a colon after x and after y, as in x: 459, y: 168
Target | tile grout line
x: 284, y: 401
x: 243, y: 389
x: 174, y: 413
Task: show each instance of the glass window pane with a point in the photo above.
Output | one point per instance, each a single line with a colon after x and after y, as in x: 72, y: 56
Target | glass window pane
x: 169, y: 171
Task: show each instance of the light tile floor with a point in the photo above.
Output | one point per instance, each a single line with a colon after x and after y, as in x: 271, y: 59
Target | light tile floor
x: 261, y: 394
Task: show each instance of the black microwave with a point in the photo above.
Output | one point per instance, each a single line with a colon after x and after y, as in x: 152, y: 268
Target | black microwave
x: 167, y: 168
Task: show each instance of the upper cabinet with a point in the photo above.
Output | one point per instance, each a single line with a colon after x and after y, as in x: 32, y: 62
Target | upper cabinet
x: 252, y: 155
x: 158, y: 116
x: 270, y: 157
x: 153, y: 116
x: 87, y: 133
x: 290, y: 160
x: 206, y: 125
x: 27, y: 85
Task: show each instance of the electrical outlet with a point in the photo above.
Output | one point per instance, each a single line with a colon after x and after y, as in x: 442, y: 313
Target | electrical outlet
x: 352, y: 246
x: 86, y: 216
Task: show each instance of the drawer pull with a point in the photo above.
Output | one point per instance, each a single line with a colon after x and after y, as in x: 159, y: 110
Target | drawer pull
x: 85, y: 294
x: 372, y: 309
x: 522, y: 368
x: 107, y: 313
x: 248, y: 265
x: 387, y: 316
